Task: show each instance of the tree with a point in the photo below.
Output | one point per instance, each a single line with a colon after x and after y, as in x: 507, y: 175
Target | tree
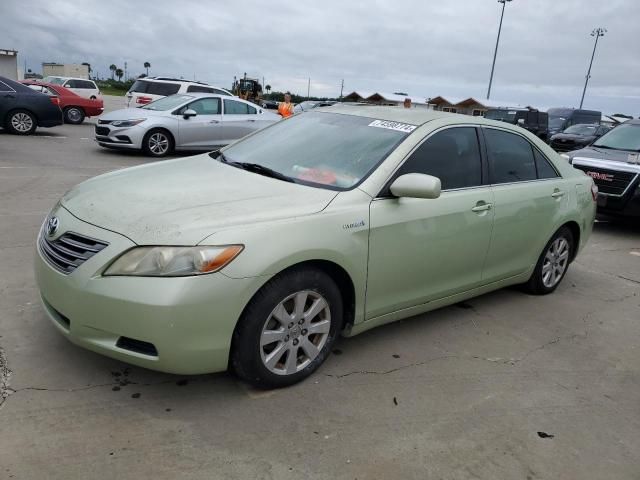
x: 113, y: 69
x: 119, y: 74
x: 147, y: 65
x: 267, y: 88
x: 88, y: 67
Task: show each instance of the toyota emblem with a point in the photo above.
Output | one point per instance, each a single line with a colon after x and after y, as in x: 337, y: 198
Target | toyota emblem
x: 52, y: 226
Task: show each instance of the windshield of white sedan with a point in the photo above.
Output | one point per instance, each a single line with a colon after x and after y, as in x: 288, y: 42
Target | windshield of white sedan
x: 167, y: 103
x: 623, y: 137
x: 322, y: 149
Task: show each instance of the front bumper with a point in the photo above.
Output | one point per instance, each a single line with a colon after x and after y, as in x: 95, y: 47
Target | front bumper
x: 189, y: 321
x: 123, y: 137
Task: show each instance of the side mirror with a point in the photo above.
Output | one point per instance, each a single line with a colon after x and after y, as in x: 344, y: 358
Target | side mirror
x: 189, y: 113
x: 521, y: 121
x: 416, y: 185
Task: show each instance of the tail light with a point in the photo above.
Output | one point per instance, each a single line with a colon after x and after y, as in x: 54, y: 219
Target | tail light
x: 144, y: 100
x: 55, y: 101
x: 594, y: 191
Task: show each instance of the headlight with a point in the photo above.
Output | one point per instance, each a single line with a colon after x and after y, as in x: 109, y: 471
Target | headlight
x: 173, y: 261
x: 127, y: 123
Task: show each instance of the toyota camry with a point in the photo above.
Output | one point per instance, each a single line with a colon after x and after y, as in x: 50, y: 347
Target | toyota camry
x: 256, y: 257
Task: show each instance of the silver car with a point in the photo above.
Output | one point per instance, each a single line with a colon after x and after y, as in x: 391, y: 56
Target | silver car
x: 196, y: 121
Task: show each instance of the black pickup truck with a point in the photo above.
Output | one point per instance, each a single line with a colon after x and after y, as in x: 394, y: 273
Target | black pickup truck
x: 613, y: 161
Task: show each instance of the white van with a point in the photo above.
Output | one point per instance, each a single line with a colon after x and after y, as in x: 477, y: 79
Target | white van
x: 148, y: 89
x: 79, y: 86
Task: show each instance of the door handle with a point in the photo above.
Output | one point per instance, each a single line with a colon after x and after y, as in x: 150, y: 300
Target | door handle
x: 214, y: 121
x: 557, y: 194
x: 251, y: 120
x: 482, y: 208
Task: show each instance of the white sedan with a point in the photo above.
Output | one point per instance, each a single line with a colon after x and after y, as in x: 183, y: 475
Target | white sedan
x: 195, y: 121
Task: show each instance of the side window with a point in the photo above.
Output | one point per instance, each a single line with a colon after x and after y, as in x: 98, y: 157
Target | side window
x: 231, y: 107
x: 70, y: 84
x: 198, y: 88
x: 510, y: 157
x: 5, y: 88
x: 206, y: 106
x: 543, y: 166
x: 452, y: 155
x: 86, y: 84
x: 252, y: 110
x: 220, y: 92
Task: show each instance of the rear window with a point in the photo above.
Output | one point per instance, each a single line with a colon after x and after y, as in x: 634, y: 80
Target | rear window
x: 5, y: 88
x: 199, y: 88
x: 155, y: 88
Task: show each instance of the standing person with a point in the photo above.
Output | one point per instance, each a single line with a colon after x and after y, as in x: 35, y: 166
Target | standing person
x: 286, y: 108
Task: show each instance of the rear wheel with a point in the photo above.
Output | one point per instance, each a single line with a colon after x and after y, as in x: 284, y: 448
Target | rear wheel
x: 21, y: 122
x: 287, y: 330
x: 74, y: 115
x: 157, y: 143
x: 552, y: 264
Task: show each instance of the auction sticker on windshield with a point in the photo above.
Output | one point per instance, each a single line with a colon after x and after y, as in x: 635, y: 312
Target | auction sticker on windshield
x: 400, y: 127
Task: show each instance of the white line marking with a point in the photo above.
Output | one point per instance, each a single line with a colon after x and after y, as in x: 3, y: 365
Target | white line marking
x: 637, y: 254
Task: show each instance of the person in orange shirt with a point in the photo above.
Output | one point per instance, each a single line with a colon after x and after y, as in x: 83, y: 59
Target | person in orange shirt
x: 286, y: 108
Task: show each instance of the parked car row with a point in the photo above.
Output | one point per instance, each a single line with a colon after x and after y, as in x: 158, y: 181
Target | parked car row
x: 23, y: 109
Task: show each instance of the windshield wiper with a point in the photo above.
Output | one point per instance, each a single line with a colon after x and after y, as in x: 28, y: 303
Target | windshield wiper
x: 261, y: 170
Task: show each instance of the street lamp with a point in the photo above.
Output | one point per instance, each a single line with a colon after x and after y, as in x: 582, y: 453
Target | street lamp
x: 598, y: 32
x: 495, y: 53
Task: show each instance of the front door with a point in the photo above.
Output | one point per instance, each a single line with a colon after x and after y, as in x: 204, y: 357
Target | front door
x: 204, y: 130
x: 239, y: 119
x: 421, y: 250
x: 529, y: 200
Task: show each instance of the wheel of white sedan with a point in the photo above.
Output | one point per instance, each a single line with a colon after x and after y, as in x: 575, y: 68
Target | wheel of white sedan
x: 288, y: 329
x: 552, y: 264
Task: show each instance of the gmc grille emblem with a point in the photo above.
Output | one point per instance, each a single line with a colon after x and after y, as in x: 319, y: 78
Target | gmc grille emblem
x: 607, y: 177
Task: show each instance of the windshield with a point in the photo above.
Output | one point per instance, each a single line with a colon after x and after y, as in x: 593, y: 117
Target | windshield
x: 584, y: 130
x: 167, y: 103
x: 54, y: 80
x: 321, y: 149
x: 503, y: 115
x: 623, y: 137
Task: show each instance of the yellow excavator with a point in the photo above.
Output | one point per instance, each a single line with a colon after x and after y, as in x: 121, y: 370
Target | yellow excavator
x: 248, y: 89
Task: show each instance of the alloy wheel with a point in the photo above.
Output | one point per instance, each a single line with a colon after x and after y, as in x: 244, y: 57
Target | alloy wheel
x: 295, y: 332
x: 555, y: 262
x: 74, y: 115
x: 22, y: 122
x: 158, y: 143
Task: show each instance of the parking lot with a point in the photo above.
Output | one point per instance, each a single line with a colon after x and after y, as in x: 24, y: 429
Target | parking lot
x: 506, y: 385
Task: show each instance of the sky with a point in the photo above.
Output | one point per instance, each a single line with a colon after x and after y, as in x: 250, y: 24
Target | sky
x: 423, y: 47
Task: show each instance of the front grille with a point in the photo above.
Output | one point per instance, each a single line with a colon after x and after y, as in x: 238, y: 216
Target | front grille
x: 610, y: 182
x: 563, y: 145
x: 69, y: 251
x: 104, y: 131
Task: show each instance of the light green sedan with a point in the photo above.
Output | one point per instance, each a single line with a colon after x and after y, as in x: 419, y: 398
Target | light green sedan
x: 336, y: 221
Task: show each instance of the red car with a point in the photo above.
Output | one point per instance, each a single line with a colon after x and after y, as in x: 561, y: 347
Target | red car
x: 74, y: 107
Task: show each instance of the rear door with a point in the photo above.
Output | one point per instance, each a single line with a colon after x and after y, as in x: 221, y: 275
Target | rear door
x: 203, y: 130
x: 421, y: 250
x: 8, y: 100
x: 529, y: 196
x: 239, y: 119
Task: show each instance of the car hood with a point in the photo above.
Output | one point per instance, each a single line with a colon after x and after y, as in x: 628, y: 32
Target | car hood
x: 132, y: 113
x: 573, y: 137
x: 181, y: 202
x: 624, y: 156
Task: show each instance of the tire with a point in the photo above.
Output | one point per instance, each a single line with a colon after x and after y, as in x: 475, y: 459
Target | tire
x: 157, y: 143
x: 553, y: 263
x: 21, y: 122
x: 74, y: 115
x: 266, y: 360
x: 92, y: 97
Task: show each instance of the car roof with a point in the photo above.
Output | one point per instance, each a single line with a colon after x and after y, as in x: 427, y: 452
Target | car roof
x: 413, y: 116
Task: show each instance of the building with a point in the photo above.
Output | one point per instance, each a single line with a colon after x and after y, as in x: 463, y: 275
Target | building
x: 389, y: 99
x: 65, y: 70
x: 468, y: 106
x: 9, y: 64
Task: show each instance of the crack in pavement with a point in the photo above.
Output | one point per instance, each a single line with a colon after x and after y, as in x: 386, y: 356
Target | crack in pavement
x: 499, y: 360
x: 5, y: 375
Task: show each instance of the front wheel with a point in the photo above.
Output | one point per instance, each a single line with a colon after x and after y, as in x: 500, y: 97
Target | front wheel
x: 288, y: 329
x: 552, y: 264
x: 21, y: 122
x: 157, y: 143
x: 74, y: 115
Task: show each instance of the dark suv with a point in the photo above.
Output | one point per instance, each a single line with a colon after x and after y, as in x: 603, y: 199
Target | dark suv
x: 613, y: 161
x: 535, y: 121
x: 562, y: 118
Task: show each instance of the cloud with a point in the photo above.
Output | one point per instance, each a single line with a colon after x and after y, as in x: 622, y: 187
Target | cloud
x: 424, y: 48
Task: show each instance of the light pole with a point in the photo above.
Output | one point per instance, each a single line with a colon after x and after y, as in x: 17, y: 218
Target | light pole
x: 598, y: 32
x: 495, y: 53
